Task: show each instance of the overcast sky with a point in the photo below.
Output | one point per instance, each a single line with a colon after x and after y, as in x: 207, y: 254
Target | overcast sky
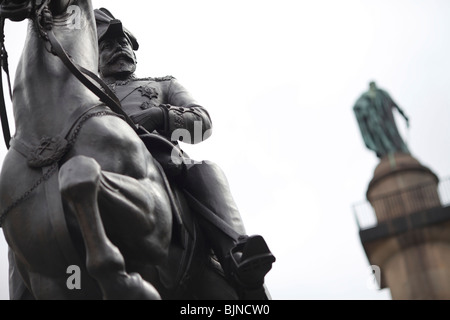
x: 279, y: 79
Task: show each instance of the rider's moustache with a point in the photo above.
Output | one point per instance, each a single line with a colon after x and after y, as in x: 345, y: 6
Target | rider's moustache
x: 120, y: 55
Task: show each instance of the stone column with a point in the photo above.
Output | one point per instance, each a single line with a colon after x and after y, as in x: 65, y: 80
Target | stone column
x: 413, y: 252
x: 401, y: 186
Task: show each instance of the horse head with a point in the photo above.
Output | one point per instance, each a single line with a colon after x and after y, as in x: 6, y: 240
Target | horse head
x: 16, y: 10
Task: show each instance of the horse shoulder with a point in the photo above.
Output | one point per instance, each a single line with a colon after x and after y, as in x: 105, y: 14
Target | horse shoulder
x: 15, y: 177
x: 115, y: 146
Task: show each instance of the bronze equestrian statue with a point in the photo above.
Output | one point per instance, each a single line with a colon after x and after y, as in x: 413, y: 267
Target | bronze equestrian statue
x: 79, y: 187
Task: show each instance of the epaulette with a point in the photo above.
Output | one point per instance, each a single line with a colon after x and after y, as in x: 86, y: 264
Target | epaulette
x: 143, y: 79
x: 166, y: 78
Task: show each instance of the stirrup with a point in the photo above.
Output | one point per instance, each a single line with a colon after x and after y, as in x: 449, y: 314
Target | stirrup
x: 255, y: 262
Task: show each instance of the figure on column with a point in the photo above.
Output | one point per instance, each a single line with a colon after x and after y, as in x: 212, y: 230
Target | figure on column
x: 374, y: 113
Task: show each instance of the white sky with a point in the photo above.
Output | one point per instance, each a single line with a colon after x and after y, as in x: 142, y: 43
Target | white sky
x: 279, y: 79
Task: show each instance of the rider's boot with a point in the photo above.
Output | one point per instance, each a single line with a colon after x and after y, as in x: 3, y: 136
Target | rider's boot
x: 247, y: 263
x: 245, y: 259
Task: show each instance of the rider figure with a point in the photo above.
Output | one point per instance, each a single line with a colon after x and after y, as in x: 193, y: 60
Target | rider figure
x: 163, y: 106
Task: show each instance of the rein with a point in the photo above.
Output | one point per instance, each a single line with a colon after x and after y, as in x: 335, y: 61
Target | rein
x: 4, y: 65
x: 44, y: 23
x: 102, y: 91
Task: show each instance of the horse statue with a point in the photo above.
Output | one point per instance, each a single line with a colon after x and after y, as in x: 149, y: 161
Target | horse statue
x: 78, y: 186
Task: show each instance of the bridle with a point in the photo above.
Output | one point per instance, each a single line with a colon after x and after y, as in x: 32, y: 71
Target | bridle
x: 38, y: 11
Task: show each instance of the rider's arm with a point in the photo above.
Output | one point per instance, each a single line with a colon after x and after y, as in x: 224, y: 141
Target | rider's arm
x: 402, y: 114
x: 184, y: 113
x: 394, y: 105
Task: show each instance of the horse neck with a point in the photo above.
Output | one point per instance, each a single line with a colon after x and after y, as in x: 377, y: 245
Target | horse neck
x: 45, y: 92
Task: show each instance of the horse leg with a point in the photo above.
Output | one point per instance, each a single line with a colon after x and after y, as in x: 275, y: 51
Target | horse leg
x: 79, y: 183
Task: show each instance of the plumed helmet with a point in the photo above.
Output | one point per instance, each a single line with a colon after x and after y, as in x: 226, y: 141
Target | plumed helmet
x: 108, y: 26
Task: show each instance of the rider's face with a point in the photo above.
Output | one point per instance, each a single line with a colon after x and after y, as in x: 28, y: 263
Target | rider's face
x: 116, y: 57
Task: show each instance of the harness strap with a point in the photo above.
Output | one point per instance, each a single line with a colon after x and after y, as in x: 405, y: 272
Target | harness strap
x: 211, y: 217
x: 20, y: 146
x: 104, y: 93
x: 25, y: 149
x: 106, y: 96
x: 178, y: 221
x: 75, y: 117
x: 57, y: 219
x: 4, y: 64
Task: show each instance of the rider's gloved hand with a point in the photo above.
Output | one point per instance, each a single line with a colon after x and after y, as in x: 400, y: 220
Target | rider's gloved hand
x: 153, y: 118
